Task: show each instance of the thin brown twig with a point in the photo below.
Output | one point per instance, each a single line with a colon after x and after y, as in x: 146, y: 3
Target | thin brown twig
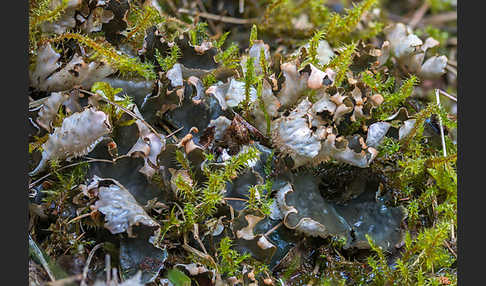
x: 126, y: 111
x: 189, y: 248
x: 203, y: 9
x: 235, y: 199
x: 396, y: 18
x: 78, y: 238
x: 418, y: 258
x: 80, y: 217
x: 273, y: 229
x: 220, y: 18
x: 440, y: 18
x: 196, y: 237
x: 448, y: 95
x: 182, y: 23
x: 65, y: 281
x: 418, y: 15
x: 88, y: 261
x: 167, y: 129
x: 71, y: 165
x: 36, y: 104
x: 173, y: 7
x: 173, y: 133
x: 450, y: 249
x: 200, y: 254
x: 452, y: 41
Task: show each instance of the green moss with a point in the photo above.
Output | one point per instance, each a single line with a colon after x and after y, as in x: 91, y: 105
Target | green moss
x: 342, y: 62
x: 261, y: 105
x: 339, y: 27
x: 140, y: 19
x: 230, y: 259
x: 208, y: 80
x: 220, y: 42
x: 376, y: 82
x: 388, y: 147
x: 253, y: 34
x: 259, y: 200
x: 199, y: 33
x: 437, y: 6
x: 212, y: 193
x: 39, y: 13
x: 124, y: 63
x: 424, y: 181
x: 312, y: 53
x: 229, y: 58
x: 318, y: 12
x: 421, y: 256
x: 200, y: 201
x: 394, y: 100
x: 250, y: 79
x: 105, y: 90
x: 166, y: 63
x: 65, y: 181
x: 172, y: 222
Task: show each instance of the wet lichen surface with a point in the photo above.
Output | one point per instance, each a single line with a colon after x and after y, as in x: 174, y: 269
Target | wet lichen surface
x: 242, y: 142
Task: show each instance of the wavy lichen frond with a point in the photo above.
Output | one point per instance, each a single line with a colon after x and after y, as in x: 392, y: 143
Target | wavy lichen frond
x: 124, y: 63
